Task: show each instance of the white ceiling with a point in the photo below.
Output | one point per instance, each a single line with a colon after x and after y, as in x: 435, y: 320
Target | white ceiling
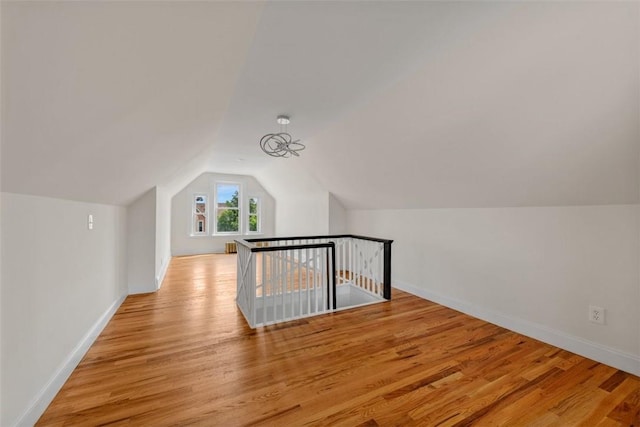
x: 401, y: 104
x: 103, y: 100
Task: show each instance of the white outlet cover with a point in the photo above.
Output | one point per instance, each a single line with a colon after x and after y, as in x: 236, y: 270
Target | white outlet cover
x: 597, y: 314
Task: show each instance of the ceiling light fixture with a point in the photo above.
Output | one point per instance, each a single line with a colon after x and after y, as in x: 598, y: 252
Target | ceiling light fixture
x: 281, y: 144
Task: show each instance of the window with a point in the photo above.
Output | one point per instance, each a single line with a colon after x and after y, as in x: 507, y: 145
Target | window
x: 227, y: 208
x: 200, y: 213
x: 254, y: 215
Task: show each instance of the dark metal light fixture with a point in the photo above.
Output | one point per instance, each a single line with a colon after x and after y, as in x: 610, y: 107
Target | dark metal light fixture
x: 281, y: 144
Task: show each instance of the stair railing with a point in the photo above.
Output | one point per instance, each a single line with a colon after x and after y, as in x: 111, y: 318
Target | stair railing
x: 281, y: 279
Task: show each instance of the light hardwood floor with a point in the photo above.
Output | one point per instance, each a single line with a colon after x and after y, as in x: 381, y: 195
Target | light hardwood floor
x: 185, y: 356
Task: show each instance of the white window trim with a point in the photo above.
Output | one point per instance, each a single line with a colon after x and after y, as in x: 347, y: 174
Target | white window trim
x: 258, y: 213
x: 214, y: 221
x: 193, y: 232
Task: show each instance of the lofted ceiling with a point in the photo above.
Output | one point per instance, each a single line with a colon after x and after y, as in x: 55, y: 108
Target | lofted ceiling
x: 401, y: 104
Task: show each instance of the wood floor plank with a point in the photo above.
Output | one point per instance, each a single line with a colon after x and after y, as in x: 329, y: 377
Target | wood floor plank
x: 628, y: 411
x: 185, y: 356
x: 611, y: 401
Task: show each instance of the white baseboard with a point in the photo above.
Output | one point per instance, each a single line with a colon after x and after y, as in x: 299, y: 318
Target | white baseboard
x: 592, y: 350
x: 180, y: 252
x: 42, y: 400
x: 163, y: 272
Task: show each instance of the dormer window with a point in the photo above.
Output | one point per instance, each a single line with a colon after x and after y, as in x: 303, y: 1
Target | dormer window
x: 234, y: 211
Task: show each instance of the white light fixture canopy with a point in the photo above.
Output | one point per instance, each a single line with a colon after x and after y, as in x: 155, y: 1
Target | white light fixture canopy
x: 283, y: 120
x: 281, y: 144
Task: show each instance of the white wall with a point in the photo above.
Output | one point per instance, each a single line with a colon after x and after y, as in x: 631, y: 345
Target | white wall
x: 183, y: 243
x: 60, y: 283
x: 302, y: 204
x: 302, y: 215
x: 163, y: 233
x: 337, y: 216
x: 535, y: 270
x: 149, y: 240
x: 141, y: 243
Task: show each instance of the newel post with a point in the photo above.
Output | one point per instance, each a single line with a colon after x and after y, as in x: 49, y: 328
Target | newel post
x: 387, y: 270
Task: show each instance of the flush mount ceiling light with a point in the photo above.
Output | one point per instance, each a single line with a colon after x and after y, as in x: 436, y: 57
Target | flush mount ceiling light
x: 281, y: 144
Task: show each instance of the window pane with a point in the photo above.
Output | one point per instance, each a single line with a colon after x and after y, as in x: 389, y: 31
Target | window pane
x: 199, y: 223
x: 201, y: 205
x: 227, y: 195
x: 254, y: 211
x: 227, y: 220
x: 199, y: 214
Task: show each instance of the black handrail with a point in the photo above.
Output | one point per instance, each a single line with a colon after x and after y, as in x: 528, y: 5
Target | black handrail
x: 331, y: 236
x: 255, y: 248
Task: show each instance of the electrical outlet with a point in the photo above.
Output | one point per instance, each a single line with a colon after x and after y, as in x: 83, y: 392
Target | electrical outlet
x: 596, y: 314
x: 90, y: 222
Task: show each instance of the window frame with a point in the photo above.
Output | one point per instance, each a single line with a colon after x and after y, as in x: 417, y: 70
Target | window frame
x: 194, y: 213
x: 214, y: 229
x: 258, y: 214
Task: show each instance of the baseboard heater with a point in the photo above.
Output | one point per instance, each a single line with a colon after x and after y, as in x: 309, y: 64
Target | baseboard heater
x: 230, y: 248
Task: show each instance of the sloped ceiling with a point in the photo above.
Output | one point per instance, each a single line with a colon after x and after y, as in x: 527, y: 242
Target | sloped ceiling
x: 401, y: 104
x: 103, y: 100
